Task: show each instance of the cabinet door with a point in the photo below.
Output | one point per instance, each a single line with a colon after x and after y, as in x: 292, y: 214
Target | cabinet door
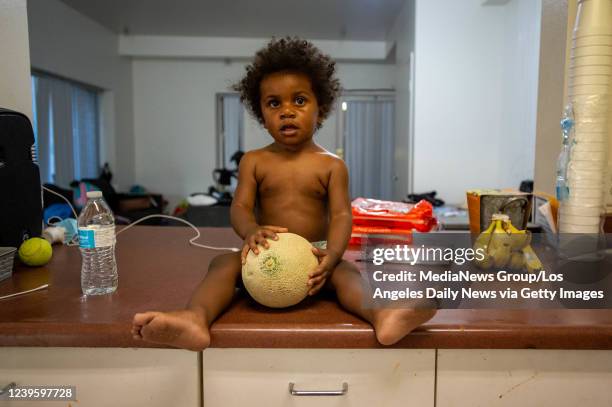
x: 261, y: 377
x: 524, y: 377
x: 106, y: 376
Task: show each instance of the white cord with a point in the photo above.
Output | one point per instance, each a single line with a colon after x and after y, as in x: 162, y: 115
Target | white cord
x: 64, y: 198
x: 191, y: 241
x: 42, y: 287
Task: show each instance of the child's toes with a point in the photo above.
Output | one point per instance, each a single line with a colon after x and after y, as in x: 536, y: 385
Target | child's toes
x: 143, y: 318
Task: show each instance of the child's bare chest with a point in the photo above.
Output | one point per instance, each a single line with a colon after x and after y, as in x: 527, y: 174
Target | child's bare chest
x: 292, y: 180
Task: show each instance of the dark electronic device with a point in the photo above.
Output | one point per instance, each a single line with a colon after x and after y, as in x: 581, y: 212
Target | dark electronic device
x: 20, y: 190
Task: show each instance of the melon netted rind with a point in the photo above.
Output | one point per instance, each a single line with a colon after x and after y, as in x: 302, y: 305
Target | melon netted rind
x: 278, y: 276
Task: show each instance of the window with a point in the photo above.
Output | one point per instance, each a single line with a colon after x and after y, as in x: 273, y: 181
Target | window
x: 66, y: 123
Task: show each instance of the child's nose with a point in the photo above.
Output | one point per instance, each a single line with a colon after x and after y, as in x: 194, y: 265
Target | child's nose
x: 287, y: 113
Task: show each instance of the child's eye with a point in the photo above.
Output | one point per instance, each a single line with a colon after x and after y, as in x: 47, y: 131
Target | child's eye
x: 300, y: 100
x: 273, y: 103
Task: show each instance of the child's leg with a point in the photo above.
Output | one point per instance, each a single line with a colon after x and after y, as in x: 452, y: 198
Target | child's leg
x: 188, y: 328
x: 390, y: 324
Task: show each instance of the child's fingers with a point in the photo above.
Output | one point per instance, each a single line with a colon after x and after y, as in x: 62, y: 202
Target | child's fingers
x: 262, y: 240
x: 243, y: 254
x: 317, y: 271
x: 277, y: 229
x: 253, y: 246
x: 319, y: 252
x: 321, y: 268
x: 316, y: 288
x: 317, y: 279
x: 268, y: 234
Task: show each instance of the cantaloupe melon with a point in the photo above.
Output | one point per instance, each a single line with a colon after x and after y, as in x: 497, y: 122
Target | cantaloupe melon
x: 278, y: 276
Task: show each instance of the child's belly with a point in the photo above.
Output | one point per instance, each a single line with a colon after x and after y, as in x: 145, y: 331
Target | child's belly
x: 308, y: 221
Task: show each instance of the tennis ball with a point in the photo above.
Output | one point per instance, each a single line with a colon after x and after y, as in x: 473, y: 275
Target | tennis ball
x: 35, y: 252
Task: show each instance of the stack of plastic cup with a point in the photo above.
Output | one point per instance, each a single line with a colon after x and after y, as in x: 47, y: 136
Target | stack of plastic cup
x: 590, y: 93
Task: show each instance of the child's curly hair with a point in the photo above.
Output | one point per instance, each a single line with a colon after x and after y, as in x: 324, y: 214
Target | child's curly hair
x: 290, y: 54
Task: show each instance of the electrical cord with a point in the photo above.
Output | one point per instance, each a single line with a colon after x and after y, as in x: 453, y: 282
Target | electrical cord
x: 192, y: 241
x: 64, y: 198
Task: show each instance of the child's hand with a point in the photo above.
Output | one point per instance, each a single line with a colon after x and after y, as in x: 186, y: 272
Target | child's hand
x: 327, y: 263
x: 259, y: 236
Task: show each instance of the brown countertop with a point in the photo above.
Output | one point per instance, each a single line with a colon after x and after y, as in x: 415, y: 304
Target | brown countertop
x: 158, y: 270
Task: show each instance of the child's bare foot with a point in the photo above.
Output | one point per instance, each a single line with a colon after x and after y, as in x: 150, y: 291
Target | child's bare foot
x: 392, y: 324
x: 182, y: 329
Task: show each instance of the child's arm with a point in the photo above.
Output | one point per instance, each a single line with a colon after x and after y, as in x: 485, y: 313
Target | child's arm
x: 340, y: 223
x: 242, y: 211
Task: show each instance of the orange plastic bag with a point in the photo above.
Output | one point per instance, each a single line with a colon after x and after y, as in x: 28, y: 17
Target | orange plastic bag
x: 393, y: 215
x: 388, y: 221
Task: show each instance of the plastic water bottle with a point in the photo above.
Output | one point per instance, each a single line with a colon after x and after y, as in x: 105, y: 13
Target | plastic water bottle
x: 97, y: 244
x: 567, y: 124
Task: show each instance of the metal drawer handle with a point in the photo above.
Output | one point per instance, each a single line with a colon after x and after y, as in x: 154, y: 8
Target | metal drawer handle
x: 342, y: 392
x: 6, y: 388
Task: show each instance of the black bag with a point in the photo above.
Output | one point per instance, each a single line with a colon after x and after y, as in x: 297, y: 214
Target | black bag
x: 20, y: 191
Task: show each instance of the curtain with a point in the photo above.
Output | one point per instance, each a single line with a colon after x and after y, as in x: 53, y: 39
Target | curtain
x: 368, y: 148
x: 232, y: 128
x: 85, y: 133
x: 42, y: 132
x: 66, y: 130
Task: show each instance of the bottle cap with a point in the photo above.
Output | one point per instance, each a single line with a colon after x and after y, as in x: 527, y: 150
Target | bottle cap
x: 94, y: 194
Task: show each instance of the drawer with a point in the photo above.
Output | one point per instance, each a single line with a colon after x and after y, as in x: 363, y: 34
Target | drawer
x: 106, y: 376
x: 261, y: 377
x: 524, y: 377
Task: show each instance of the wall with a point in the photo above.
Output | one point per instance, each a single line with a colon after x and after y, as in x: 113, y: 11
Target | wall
x: 555, y: 27
x: 402, y: 34
x: 474, y: 122
x: 519, y: 109
x: 174, y: 117
x: 15, y: 82
x: 68, y: 44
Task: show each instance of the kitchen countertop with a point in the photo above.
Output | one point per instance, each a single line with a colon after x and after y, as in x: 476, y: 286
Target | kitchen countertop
x: 158, y: 270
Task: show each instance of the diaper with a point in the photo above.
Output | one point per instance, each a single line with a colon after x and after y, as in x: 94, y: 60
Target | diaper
x: 321, y: 244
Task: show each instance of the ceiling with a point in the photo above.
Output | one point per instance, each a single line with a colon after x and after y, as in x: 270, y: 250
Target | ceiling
x: 314, y: 19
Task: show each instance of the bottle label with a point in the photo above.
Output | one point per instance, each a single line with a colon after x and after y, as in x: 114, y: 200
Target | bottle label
x: 95, y: 236
x: 562, y: 192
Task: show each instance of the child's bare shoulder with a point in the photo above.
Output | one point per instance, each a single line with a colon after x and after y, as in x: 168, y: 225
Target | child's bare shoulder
x: 261, y: 153
x: 251, y: 157
x: 332, y: 161
x: 254, y: 161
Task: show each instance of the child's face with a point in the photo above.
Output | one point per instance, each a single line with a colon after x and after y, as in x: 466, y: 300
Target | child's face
x: 289, y: 107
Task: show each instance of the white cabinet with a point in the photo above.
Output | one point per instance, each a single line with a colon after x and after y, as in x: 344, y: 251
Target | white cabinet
x: 523, y: 377
x: 375, y: 377
x: 106, y: 376
x: 260, y: 377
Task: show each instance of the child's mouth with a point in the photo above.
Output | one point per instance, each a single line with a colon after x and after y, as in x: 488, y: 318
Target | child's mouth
x: 289, y: 130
